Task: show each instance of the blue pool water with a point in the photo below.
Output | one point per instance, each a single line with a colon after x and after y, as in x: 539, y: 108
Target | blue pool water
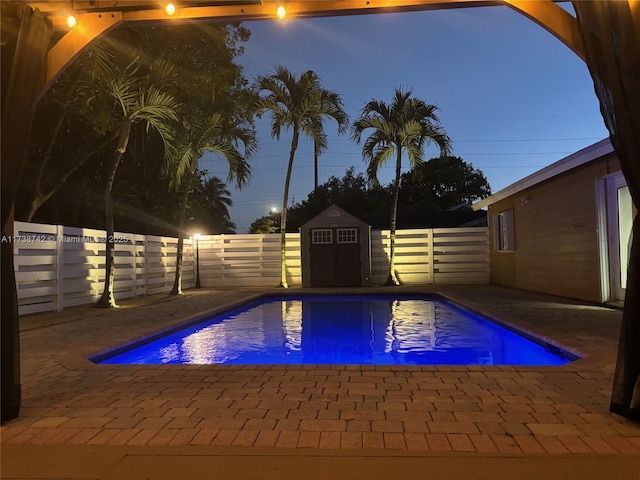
x: 372, y: 329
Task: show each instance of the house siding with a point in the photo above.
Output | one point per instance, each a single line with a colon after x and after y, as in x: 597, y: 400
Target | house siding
x: 556, y: 238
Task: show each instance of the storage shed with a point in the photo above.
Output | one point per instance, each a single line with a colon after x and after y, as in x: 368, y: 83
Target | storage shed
x: 335, y: 250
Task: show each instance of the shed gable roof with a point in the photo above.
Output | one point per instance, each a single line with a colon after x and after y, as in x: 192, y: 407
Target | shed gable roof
x: 334, y: 216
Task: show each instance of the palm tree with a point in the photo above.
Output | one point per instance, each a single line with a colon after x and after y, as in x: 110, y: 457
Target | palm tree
x: 213, y: 202
x: 133, y: 96
x: 300, y: 104
x: 407, y: 124
x: 73, y: 95
x: 209, y: 132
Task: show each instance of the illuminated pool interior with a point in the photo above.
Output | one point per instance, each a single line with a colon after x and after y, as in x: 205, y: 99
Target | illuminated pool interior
x: 343, y: 329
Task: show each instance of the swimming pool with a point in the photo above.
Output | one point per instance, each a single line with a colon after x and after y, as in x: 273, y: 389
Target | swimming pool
x: 343, y: 329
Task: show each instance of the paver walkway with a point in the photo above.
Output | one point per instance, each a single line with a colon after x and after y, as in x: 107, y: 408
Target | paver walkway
x: 497, y: 411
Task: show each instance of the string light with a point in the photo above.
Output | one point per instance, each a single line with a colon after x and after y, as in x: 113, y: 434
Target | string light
x: 281, y: 12
x: 71, y: 21
x: 170, y: 9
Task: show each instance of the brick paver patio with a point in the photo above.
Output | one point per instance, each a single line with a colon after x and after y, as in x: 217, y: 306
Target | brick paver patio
x: 68, y: 400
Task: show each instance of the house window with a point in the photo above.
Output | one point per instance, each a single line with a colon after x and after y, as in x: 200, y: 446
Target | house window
x: 321, y: 235
x: 504, y: 231
x: 347, y: 235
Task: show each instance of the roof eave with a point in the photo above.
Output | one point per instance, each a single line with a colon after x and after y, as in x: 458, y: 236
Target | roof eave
x: 581, y: 157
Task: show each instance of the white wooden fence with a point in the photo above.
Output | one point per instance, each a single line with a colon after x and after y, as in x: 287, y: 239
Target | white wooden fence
x: 438, y: 255
x: 250, y: 260
x: 60, y: 266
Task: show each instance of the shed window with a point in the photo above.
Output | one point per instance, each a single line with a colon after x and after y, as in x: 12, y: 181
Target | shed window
x: 321, y: 235
x: 504, y: 231
x: 347, y: 235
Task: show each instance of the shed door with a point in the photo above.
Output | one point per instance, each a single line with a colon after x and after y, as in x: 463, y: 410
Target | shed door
x: 335, y: 257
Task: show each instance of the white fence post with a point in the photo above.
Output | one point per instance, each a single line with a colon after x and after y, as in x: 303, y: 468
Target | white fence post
x: 59, y: 267
x: 145, y: 272
x: 223, y: 258
x: 432, y: 266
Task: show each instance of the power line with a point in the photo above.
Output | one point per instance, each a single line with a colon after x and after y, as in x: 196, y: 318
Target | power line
x: 363, y: 167
x: 497, y: 140
x: 305, y: 140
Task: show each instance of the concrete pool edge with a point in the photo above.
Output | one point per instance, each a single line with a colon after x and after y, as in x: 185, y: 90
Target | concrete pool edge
x: 520, y: 329
x: 584, y: 360
x: 180, y: 324
x: 581, y: 358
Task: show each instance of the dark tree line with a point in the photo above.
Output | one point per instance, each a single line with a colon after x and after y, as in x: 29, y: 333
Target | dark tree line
x: 427, y: 198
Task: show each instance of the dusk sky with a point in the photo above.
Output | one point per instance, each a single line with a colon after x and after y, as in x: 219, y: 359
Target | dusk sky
x: 512, y: 98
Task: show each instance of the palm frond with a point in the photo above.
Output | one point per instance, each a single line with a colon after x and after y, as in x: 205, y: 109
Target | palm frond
x: 179, y: 166
x: 239, y: 168
x: 298, y: 102
x: 406, y: 124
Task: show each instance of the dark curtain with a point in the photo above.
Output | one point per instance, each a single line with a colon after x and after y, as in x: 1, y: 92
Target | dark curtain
x: 611, y: 34
x: 26, y: 37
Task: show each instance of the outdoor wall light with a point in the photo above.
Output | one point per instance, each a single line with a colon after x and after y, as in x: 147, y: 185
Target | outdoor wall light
x: 71, y: 21
x: 170, y: 9
x: 281, y: 12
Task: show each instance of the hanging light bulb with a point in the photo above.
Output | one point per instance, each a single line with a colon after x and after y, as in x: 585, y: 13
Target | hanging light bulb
x: 71, y: 21
x: 281, y: 12
x: 170, y: 9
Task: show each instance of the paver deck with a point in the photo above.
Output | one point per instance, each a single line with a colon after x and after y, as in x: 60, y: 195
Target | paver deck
x: 542, y: 414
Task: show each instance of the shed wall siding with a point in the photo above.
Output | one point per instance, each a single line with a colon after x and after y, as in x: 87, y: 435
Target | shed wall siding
x: 555, y: 235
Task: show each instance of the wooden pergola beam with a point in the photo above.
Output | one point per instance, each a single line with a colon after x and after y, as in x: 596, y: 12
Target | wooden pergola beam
x: 98, y: 17
x: 92, y: 26
x: 554, y: 19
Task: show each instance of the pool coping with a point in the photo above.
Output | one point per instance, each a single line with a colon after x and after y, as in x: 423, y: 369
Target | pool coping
x: 83, y: 359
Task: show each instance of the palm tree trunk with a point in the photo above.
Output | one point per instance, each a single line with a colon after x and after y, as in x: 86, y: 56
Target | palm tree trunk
x: 283, y: 214
x: 316, y: 154
x: 107, y: 299
x: 391, y: 279
x: 177, y: 282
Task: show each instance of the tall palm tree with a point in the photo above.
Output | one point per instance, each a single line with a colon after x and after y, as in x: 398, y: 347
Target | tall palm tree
x: 223, y: 136
x: 407, y: 124
x: 132, y: 95
x: 300, y: 104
